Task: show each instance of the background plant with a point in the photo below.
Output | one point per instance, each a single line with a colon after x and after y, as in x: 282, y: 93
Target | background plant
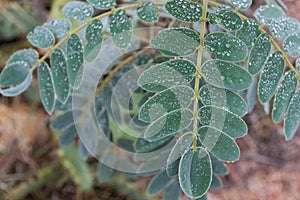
x: 245, y: 48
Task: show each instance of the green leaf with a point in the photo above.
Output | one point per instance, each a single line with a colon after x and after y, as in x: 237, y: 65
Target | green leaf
x: 270, y: 77
x: 226, y: 75
x: 76, y: 166
x: 67, y: 135
x: 219, y: 168
x: 74, y: 60
x: 216, y: 182
x: 241, y: 4
x: 283, y: 96
x: 165, y: 102
x: 166, y: 75
x: 226, y: 46
x: 94, y: 39
x: 226, y: 99
x: 120, y: 29
x: 223, y: 120
x: 176, y: 41
x: 60, y: 76
x: 226, y: 18
x: 103, y: 4
x: 46, y: 87
x: 78, y: 10
x: 219, y: 144
x: 169, y: 124
x: 104, y: 172
x: 195, y: 172
x: 41, y: 38
x: 62, y: 121
x: 202, y: 198
x: 291, y: 44
x: 182, y: 144
x: 27, y: 55
x: 147, y: 12
x: 266, y: 13
x: 284, y: 26
x: 59, y: 27
x: 186, y: 11
x: 142, y: 60
x: 14, y: 74
x: 249, y: 32
x: 298, y: 64
x: 173, y: 191
x: 259, y: 53
x: 158, y: 183
x: 143, y: 146
x: 292, y: 119
x: 18, y: 89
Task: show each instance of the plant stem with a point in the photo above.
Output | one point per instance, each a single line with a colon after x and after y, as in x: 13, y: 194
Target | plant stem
x: 76, y: 30
x: 198, y: 75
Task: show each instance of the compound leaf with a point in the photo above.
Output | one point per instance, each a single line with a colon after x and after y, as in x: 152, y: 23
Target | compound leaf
x: 186, y: 11
x: 283, y: 96
x: 14, y: 74
x: 27, y: 55
x: 226, y: 75
x: 78, y: 10
x: 169, y: 124
x: 167, y: 74
x: 241, y: 4
x: 291, y: 44
x: 210, y: 95
x: 223, y: 120
x: 60, y: 76
x: 270, y: 77
x: 266, y: 13
x: 292, y: 119
x: 94, y: 39
x: 259, y: 53
x: 158, y: 183
x: 284, y: 26
x: 74, y: 60
x: 41, y: 38
x: 176, y: 41
x: 147, y: 12
x: 226, y: 46
x: 46, y: 87
x: 59, y: 27
x: 120, y: 29
x: 18, y: 89
x: 249, y: 32
x: 219, y: 144
x: 103, y: 4
x: 195, y: 172
x: 165, y: 102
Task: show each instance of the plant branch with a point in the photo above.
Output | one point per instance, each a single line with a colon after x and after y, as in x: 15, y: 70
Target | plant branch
x: 198, y: 75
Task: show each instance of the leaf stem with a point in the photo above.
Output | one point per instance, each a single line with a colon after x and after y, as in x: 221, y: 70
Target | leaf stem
x: 76, y: 30
x: 198, y: 75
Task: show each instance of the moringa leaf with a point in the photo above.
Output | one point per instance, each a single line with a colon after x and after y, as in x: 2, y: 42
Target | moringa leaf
x: 41, y: 38
x: 216, y: 182
x: 241, y: 4
x: 292, y: 118
x: 147, y: 12
x: 226, y: 46
x: 29, y: 56
x: 94, y: 37
x: 270, y: 77
x: 284, y: 26
x: 249, y: 32
x: 226, y: 75
x: 77, y: 10
x: 18, y: 89
x: 46, y: 87
x: 291, y: 44
x: 219, y: 168
x: 103, y: 4
x: 59, y: 27
x: 219, y: 144
x: 173, y: 191
x: 14, y: 74
x: 143, y: 146
x: 195, y: 172
x: 266, y: 13
x: 259, y: 53
x: 298, y: 64
x: 158, y: 183
x: 186, y: 11
x: 283, y: 96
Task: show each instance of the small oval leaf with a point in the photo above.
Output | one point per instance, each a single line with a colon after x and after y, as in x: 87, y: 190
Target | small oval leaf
x: 226, y: 46
x: 147, y: 12
x: 78, y: 10
x: 60, y: 76
x: 186, y: 11
x: 291, y: 44
x: 143, y: 146
x: 14, y: 74
x: 46, y: 87
x: 266, y: 13
x: 59, y: 27
x: 284, y: 26
x: 18, y: 89
x: 226, y: 75
x: 249, y: 32
x: 94, y: 39
x: 223, y: 120
x: 259, y: 53
x: 283, y: 96
x: 173, y: 191
x: 219, y: 144
x: 158, y: 183
x: 292, y: 119
x: 195, y: 172
x: 27, y: 55
x: 176, y: 41
x: 166, y: 75
x: 103, y: 4
x: 241, y: 4
x: 41, y: 38
x: 270, y: 77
